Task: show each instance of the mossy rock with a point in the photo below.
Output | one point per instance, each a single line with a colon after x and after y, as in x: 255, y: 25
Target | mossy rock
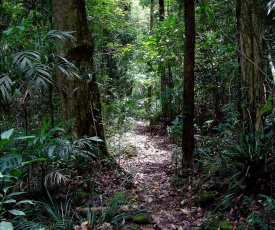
x: 129, y: 150
x: 205, y: 198
x: 142, y: 218
x: 224, y: 225
x: 80, y: 195
x: 220, y: 224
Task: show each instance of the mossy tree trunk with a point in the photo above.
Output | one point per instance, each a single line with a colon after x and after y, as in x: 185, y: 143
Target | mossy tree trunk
x: 251, y: 21
x: 80, y: 97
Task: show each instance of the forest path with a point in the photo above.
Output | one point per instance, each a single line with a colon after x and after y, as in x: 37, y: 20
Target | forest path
x: 152, y: 167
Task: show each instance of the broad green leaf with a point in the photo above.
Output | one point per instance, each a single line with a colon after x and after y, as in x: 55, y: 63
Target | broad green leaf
x: 6, y: 225
x: 7, y: 32
x: 34, y: 160
x: 26, y: 137
x: 24, y: 202
x: 95, y: 139
x: 9, y: 201
x: 16, y: 193
x: 7, y: 134
x: 155, y: 67
x: 6, y: 189
x: 16, y: 173
x: 3, y: 142
x: 20, y: 27
x: 16, y: 212
x: 8, y: 150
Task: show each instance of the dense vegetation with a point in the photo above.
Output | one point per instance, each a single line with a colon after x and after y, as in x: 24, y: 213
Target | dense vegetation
x: 74, y: 74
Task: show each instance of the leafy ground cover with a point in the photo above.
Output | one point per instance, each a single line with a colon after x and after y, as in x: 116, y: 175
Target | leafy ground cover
x: 145, y: 189
x: 192, y: 199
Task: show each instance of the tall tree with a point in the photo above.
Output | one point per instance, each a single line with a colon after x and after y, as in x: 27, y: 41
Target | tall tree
x: 165, y: 78
x: 251, y: 21
x: 188, y: 83
x: 80, y: 96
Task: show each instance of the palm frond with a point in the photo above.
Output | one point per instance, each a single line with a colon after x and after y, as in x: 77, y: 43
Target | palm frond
x: 5, y: 86
x: 62, y: 35
x: 54, y: 178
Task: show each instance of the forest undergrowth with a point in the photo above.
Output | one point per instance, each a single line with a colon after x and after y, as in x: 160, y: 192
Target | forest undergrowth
x: 207, y: 196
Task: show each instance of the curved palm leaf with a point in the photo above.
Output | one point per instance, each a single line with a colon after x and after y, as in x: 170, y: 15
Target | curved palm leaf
x: 5, y: 86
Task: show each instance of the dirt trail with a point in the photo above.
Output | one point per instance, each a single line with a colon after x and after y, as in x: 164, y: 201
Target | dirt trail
x: 152, y: 168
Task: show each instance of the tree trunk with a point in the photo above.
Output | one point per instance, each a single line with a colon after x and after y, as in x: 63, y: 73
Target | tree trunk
x: 161, y: 10
x: 162, y: 71
x: 250, y: 22
x: 188, y: 84
x: 80, y: 97
x: 150, y: 87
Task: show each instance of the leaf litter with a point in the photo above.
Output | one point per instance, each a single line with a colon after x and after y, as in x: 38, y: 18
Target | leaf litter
x: 153, y: 188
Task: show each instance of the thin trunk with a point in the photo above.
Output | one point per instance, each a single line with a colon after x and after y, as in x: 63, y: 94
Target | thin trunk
x: 162, y: 71
x: 150, y: 87
x: 188, y: 90
x: 161, y: 10
x: 51, y: 104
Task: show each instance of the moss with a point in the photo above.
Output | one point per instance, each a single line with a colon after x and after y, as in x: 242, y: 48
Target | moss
x: 80, y: 195
x: 267, y: 109
x: 220, y: 224
x: 224, y: 225
x: 142, y: 219
x: 205, y: 198
x: 130, y: 150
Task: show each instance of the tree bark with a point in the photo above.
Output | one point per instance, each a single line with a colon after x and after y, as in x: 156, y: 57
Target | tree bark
x: 188, y: 83
x: 80, y: 97
x: 250, y: 22
x: 161, y: 10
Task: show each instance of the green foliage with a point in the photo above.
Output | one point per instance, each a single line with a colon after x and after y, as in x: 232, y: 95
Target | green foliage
x: 57, y: 215
x: 267, y: 109
x: 249, y: 153
x: 9, y: 204
x: 11, y: 161
x: 116, y: 212
x: 270, y: 6
x: 36, y: 64
x: 175, y: 130
x: 6, y: 225
x: 112, y: 214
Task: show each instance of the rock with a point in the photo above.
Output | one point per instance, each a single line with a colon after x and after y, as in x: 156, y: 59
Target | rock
x: 205, y: 198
